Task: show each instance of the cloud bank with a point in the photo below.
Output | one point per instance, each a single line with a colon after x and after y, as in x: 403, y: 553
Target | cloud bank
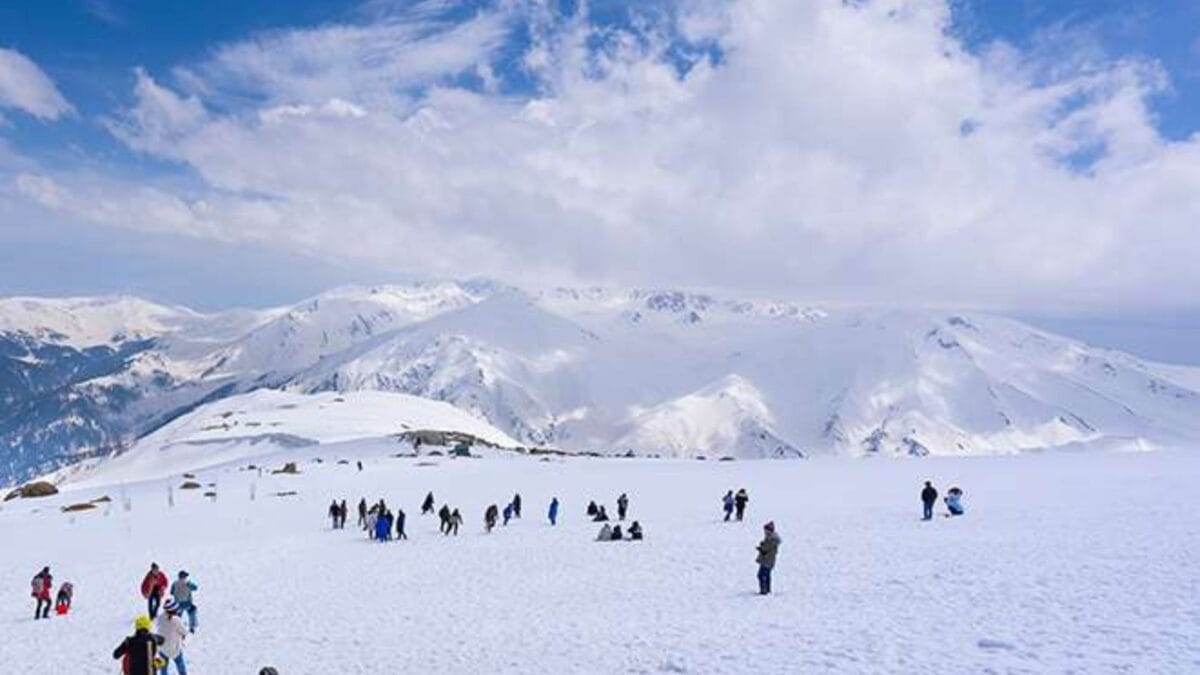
x: 821, y: 149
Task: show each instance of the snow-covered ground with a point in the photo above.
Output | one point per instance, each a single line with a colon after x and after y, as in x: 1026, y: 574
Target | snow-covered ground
x: 1066, y: 562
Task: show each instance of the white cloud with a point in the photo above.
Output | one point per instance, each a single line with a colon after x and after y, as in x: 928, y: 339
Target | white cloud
x: 849, y: 150
x: 25, y: 87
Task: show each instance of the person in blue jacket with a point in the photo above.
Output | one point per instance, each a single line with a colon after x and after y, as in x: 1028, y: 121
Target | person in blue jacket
x: 954, y: 502
x: 554, y: 511
x: 508, y: 513
x: 383, y: 527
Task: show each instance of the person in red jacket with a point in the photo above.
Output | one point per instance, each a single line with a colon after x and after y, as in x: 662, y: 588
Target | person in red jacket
x: 42, y: 583
x: 154, y: 585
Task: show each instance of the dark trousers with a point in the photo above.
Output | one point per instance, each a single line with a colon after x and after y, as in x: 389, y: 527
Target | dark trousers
x: 928, y: 515
x: 741, y: 510
x: 42, y: 611
x: 764, y: 579
x: 152, y: 603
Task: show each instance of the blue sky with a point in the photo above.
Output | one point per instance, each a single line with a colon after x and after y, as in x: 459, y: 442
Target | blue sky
x: 245, y: 153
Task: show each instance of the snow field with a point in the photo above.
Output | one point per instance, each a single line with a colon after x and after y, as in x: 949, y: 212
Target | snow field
x: 1064, y: 563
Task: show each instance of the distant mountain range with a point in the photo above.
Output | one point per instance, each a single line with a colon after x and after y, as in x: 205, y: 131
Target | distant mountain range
x: 614, y: 371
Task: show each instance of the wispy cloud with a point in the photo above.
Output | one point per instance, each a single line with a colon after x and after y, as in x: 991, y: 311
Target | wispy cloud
x: 24, y: 86
x: 104, y: 11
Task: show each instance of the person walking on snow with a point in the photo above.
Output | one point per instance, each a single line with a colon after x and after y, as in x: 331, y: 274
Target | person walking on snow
x: 182, y: 591
x: 553, y: 511
x: 490, y: 516
x: 768, y: 549
x: 516, y: 505
x: 508, y: 513
x: 622, y: 506
x: 427, y: 505
x: 727, y: 504
x: 601, y: 516
x: 343, y: 512
x: 455, y: 521
x: 139, y: 651
x: 400, y: 517
x: 154, y: 586
x: 929, y: 497
x: 739, y: 503
x: 170, y: 627
x: 362, y: 513
x: 62, y: 602
x: 444, y: 514
x: 40, y: 590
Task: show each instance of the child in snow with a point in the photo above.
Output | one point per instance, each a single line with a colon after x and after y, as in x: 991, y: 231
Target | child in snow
x: 170, y: 627
x: 954, y: 502
x: 62, y: 602
x: 139, y: 651
x: 40, y: 590
x: 182, y: 591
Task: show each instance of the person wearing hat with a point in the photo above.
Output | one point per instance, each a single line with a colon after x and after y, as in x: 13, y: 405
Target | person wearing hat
x: 170, y: 627
x: 139, y: 651
x: 768, y: 549
x: 40, y: 591
x: 182, y: 591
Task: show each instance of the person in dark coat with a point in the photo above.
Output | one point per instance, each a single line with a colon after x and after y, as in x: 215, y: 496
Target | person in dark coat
x: 362, y: 513
x: 335, y: 511
x: 400, y: 517
x: 635, y: 531
x: 616, y: 533
x: 508, y: 514
x: 427, y: 505
x: 138, y: 651
x: 455, y: 521
x: 622, y: 506
x: 490, y: 516
x: 516, y: 505
x: 929, y: 497
x: 444, y: 515
x: 553, y: 513
x: 343, y: 513
x: 601, y: 516
x: 592, y: 509
x: 739, y: 502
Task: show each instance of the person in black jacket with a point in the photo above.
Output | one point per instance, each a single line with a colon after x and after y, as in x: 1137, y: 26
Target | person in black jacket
x: 137, y: 651
x: 427, y: 505
x: 400, y: 525
x: 928, y: 498
x: 516, y: 505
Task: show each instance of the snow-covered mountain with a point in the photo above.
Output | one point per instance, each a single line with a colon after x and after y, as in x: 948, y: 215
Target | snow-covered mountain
x: 613, y: 371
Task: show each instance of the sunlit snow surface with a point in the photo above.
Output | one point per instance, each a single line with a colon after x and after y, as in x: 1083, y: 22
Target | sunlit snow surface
x: 1080, y: 562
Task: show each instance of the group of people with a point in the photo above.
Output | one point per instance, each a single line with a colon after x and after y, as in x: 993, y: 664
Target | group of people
x: 599, y: 513
x: 953, y: 501
x: 493, y: 512
x: 338, y: 513
x: 157, y: 644
x: 613, y: 532
x: 41, y: 587
x: 735, y: 503
x: 377, y: 520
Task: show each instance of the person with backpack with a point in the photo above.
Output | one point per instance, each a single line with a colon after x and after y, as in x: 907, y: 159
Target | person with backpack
x: 739, y: 503
x: 427, y: 505
x: 40, y: 587
x: 727, y: 504
x: 182, y: 591
x: 635, y: 531
x: 516, y: 506
x: 553, y: 513
x: 489, y: 517
x: 455, y: 521
x: 154, y: 585
x: 622, y: 506
x: 768, y: 550
x: 170, y: 627
x: 62, y: 602
x: 400, y: 517
x: 929, y: 496
x: 139, y: 651
x: 508, y: 513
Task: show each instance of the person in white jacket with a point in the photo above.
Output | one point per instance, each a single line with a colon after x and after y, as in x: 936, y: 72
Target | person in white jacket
x: 173, y: 632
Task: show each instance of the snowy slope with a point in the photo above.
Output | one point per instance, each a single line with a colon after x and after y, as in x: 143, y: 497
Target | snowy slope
x: 603, y: 370
x: 1047, y: 573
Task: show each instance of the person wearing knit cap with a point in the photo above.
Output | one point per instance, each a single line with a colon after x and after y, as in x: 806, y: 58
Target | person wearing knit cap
x: 768, y: 549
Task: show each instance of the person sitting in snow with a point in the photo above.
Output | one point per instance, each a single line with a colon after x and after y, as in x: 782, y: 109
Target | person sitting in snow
x: 601, y: 516
x: 635, y: 531
x: 616, y: 533
x: 62, y: 602
x: 605, y: 533
x: 954, y: 502
x: 592, y: 509
x: 490, y: 516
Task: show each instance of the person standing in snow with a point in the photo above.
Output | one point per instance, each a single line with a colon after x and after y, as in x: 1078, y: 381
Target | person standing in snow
x: 400, y: 525
x: 929, y: 497
x: 139, y: 651
x: 372, y: 527
x: 170, y: 627
x: 954, y: 502
x: 444, y: 515
x: 516, y: 505
x: 360, y: 465
x: 383, y: 528
x: 362, y: 513
x: 40, y: 590
x: 553, y: 511
x: 622, y: 506
x: 154, y: 585
x: 727, y: 504
x: 768, y: 549
x: 343, y: 512
x: 455, y: 521
x: 427, y: 505
x: 508, y: 513
x: 182, y: 591
x: 489, y: 517
x: 334, y: 512
x: 739, y: 503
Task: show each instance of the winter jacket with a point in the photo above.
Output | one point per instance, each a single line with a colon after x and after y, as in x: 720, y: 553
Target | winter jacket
x: 155, y: 580
x: 768, y: 549
x: 954, y: 504
x: 741, y: 498
x: 605, y: 533
x: 554, y: 509
x: 138, y: 652
x: 173, y: 632
x: 181, y: 590
x: 42, y: 583
x: 929, y: 495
